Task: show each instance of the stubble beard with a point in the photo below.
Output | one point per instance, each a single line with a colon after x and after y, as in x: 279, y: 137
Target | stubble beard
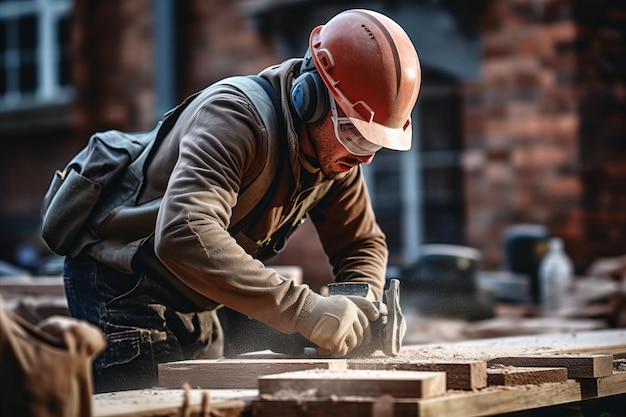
x: 327, y: 164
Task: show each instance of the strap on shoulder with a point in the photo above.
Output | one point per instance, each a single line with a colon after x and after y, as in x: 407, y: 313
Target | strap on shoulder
x: 253, y: 199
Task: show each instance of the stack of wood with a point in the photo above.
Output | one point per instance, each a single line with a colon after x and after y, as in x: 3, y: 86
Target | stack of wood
x: 596, y: 301
x: 611, y: 304
x: 474, y: 378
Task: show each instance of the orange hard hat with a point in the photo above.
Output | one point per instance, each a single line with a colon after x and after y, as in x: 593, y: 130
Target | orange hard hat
x: 371, y: 68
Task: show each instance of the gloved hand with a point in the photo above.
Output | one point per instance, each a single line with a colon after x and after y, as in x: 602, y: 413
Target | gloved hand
x: 339, y: 324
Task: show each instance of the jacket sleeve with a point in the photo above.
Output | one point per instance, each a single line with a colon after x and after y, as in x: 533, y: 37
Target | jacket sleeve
x: 350, y: 235
x: 218, y: 145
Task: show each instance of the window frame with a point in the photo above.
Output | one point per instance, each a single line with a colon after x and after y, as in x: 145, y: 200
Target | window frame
x: 47, y: 54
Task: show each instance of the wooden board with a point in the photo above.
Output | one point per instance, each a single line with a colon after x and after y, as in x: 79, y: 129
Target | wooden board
x: 605, y: 386
x: 500, y: 400
x: 165, y: 402
x: 466, y: 375
x: 235, y: 373
x: 515, y: 326
x: 598, y: 341
x: 383, y: 406
x: 30, y: 286
x: 510, y: 375
x: 368, y: 383
x: 578, y: 365
x: 480, y: 402
x: 489, y: 401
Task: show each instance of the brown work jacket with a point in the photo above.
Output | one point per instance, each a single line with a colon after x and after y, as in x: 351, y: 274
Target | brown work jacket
x: 217, y: 146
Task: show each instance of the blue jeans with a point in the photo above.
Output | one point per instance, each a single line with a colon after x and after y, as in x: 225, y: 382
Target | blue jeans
x: 143, y: 323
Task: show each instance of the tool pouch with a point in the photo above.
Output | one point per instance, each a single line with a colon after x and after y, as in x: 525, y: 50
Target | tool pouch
x: 96, y: 182
x: 46, y: 373
x: 62, y: 221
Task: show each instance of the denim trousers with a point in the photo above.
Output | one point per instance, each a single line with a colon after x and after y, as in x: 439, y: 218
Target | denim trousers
x: 144, y: 324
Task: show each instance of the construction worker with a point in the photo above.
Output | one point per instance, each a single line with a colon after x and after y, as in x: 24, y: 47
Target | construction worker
x: 350, y: 96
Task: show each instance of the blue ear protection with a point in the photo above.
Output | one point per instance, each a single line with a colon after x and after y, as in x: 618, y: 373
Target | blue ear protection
x: 309, y: 95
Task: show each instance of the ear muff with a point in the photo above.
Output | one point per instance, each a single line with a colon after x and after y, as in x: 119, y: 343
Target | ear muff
x: 309, y: 95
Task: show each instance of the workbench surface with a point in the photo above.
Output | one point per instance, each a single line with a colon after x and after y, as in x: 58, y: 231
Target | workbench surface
x: 584, y: 354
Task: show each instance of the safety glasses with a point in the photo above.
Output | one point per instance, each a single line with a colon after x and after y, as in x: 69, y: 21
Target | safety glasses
x: 349, y: 136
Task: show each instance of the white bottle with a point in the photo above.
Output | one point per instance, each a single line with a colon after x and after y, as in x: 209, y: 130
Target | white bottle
x: 555, y: 276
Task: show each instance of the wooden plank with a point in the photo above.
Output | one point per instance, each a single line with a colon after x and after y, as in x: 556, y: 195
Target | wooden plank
x: 596, y: 341
x: 578, y: 365
x: 162, y: 402
x: 467, y: 375
x: 368, y: 383
x: 234, y: 373
x: 516, y: 326
x: 510, y: 375
x: 603, y: 387
x: 486, y: 402
x: 498, y: 400
x: 489, y: 401
x: 344, y: 407
x: 31, y: 286
x: 382, y: 406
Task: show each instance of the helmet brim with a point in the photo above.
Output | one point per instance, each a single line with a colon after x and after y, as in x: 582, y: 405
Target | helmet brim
x: 397, y: 139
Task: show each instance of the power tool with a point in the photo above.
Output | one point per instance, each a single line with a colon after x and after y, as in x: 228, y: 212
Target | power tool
x: 388, y: 331
x: 243, y: 334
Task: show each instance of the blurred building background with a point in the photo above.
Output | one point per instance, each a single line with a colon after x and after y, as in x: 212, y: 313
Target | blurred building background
x: 521, y: 117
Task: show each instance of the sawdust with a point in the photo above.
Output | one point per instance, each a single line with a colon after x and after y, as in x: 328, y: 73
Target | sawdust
x: 440, y: 353
x: 504, y: 368
x: 291, y: 395
x: 486, y: 349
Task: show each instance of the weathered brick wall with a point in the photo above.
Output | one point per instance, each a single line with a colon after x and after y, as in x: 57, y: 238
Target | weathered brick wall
x: 601, y: 72
x: 521, y: 124
x: 217, y: 40
x: 113, y: 66
x: 114, y: 62
x: 544, y: 126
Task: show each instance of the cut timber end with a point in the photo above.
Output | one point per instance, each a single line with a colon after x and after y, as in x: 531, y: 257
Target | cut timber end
x: 578, y: 366
x: 510, y: 375
x: 235, y: 373
x: 602, y: 387
x: 363, y: 383
x: 464, y: 375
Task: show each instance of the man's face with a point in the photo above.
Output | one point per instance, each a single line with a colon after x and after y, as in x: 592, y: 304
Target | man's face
x: 335, y: 160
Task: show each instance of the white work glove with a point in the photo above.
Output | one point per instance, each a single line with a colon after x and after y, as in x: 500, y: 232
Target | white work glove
x: 339, y: 324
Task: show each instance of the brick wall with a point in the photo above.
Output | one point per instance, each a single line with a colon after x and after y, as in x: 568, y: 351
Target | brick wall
x: 528, y: 127
x: 114, y: 61
x: 601, y: 72
x: 217, y: 40
x: 543, y: 126
x: 113, y: 66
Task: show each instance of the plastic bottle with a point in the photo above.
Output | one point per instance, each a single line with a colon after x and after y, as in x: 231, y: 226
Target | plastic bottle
x: 555, y: 276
